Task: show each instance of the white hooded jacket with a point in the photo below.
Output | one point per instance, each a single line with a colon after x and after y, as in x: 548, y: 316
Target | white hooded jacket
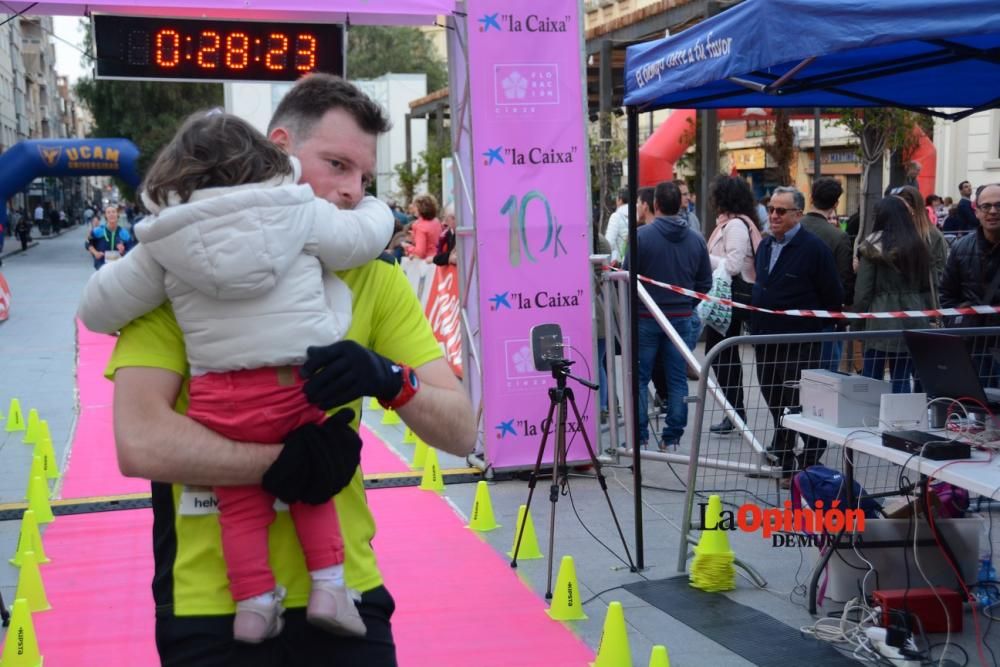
x: 243, y: 268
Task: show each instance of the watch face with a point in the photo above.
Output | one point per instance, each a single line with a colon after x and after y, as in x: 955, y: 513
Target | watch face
x: 414, y: 381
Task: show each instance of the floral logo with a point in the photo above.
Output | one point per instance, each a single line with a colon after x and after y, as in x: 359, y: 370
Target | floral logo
x: 515, y: 86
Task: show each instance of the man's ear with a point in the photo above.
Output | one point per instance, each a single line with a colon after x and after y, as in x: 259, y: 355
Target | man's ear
x: 280, y: 137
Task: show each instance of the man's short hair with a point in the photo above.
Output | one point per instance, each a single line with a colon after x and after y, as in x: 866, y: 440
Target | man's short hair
x: 983, y: 187
x: 667, y: 197
x: 679, y: 182
x: 963, y: 184
x: 797, y: 197
x: 316, y: 94
x: 646, y: 196
x: 623, y: 195
x: 825, y: 193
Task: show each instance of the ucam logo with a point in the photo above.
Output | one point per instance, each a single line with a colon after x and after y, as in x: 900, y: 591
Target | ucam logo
x: 778, y: 524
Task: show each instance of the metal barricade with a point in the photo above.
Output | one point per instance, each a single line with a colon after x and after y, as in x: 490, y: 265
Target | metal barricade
x: 770, y: 375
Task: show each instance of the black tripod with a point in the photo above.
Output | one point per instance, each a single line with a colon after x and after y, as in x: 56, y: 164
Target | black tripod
x: 558, y: 397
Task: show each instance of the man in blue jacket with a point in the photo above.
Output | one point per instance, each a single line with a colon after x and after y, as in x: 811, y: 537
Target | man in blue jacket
x: 670, y: 252
x: 795, y: 270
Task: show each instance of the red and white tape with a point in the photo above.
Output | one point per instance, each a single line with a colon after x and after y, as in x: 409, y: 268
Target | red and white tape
x: 887, y: 315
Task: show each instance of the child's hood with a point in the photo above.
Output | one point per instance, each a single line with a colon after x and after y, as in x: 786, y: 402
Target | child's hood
x: 234, y: 242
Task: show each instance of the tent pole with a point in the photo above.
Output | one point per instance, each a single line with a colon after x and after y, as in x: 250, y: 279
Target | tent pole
x: 817, y: 161
x: 632, y: 376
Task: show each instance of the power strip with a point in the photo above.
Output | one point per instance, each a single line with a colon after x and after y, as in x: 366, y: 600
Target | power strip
x: 891, y: 653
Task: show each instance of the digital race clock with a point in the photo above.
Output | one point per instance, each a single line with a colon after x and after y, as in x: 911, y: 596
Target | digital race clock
x: 138, y: 47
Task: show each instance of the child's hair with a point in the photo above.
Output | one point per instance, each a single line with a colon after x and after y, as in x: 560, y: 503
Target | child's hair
x: 213, y: 149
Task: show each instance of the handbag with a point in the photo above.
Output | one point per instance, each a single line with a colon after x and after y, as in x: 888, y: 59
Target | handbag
x: 742, y: 290
x: 718, y: 315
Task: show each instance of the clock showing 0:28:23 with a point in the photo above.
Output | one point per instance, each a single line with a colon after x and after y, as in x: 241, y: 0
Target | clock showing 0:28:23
x: 138, y: 47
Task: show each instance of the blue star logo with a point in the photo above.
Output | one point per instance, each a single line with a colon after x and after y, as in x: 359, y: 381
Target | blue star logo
x: 506, y: 427
x: 493, y: 155
x: 501, y: 300
x: 490, y: 21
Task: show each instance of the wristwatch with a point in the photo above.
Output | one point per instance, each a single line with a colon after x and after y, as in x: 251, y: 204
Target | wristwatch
x: 409, y: 388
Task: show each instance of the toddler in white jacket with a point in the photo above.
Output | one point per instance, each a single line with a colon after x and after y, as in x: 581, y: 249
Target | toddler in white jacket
x: 240, y: 250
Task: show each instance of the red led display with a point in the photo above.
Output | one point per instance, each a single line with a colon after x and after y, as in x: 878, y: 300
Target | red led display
x: 192, y: 49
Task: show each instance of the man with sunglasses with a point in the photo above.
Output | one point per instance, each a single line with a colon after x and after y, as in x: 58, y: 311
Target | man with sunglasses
x: 795, y: 269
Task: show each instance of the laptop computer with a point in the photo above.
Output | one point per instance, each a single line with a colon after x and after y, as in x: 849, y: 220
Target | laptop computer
x: 945, y: 368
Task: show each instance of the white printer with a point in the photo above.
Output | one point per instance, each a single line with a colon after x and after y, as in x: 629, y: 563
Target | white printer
x: 840, y: 399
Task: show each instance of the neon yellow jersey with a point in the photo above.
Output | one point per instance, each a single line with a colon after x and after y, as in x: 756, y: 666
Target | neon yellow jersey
x: 190, y: 575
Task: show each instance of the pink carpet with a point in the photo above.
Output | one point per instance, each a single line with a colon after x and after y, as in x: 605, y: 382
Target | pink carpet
x: 92, y: 469
x: 458, y: 601
x: 377, y: 457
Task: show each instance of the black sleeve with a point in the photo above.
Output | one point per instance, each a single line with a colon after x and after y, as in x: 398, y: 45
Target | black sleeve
x: 968, y: 216
x: 950, y: 288
x: 828, y: 285
x: 843, y: 257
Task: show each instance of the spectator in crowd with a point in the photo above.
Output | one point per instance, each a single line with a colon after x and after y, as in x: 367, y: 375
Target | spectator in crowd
x: 39, y: 215
x: 972, y: 273
x: 912, y: 174
x: 332, y: 128
x: 820, y: 220
x: 446, y: 251
x: 108, y: 242
x: 733, y: 244
x: 762, y: 213
x: 645, y: 206
x: 617, y: 231
x: 795, y: 269
x: 426, y: 229
x: 669, y: 251
x: 603, y: 248
x: 934, y: 206
x: 929, y: 233
x: 964, y: 219
x: 687, y: 206
x: 894, y: 274
x: 22, y: 229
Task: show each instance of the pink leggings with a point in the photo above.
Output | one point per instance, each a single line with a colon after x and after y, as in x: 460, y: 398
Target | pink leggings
x: 262, y: 406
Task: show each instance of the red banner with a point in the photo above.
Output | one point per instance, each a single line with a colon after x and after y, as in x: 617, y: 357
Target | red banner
x: 4, y: 298
x: 444, y: 311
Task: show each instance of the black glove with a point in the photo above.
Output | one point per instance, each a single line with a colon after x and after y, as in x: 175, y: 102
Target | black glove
x: 318, y: 460
x: 342, y: 372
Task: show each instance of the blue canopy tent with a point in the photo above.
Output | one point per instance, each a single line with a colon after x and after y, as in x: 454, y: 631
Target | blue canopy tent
x: 914, y: 54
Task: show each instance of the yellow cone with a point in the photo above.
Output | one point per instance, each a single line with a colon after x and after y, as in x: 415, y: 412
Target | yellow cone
x: 482, y: 518
x: 529, y: 543
x: 409, y: 436
x: 29, y: 584
x: 431, y: 481
x: 419, y: 455
x: 15, y: 421
x: 613, y: 650
x: 38, y: 500
x: 21, y: 646
x: 566, y: 603
x: 32, y: 431
x: 37, y: 470
x: 659, y: 657
x: 373, y: 404
x: 390, y: 417
x: 713, y: 566
x: 44, y: 449
x: 29, y: 539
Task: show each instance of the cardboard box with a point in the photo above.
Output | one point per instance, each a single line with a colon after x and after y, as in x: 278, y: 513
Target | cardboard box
x: 842, y: 400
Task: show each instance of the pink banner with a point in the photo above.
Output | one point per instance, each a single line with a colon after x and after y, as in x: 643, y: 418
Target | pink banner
x: 360, y: 11
x: 532, y: 214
